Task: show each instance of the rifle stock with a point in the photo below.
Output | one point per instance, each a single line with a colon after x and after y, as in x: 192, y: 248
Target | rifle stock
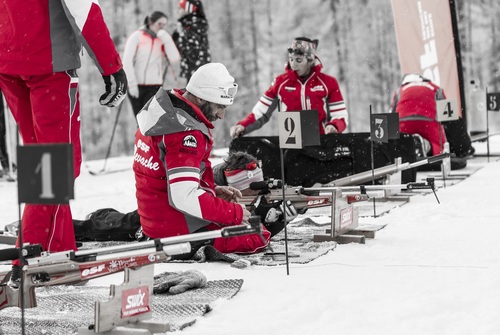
x: 296, y: 195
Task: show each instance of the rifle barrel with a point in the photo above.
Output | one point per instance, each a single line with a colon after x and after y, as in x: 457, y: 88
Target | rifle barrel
x: 367, y: 187
x: 365, y: 176
x: 227, y: 231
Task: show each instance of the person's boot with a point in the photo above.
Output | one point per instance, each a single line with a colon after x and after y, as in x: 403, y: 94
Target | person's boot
x: 422, y: 146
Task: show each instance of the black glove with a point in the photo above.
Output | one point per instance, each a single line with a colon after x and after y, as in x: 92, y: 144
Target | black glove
x: 274, y: 211
x: 116, y: 89
x: 178, y: 282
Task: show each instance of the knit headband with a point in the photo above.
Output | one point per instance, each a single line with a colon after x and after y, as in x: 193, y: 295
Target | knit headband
x: 241, y: 179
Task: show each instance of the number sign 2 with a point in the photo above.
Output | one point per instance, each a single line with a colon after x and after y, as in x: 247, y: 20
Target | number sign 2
x: 45, y: 173
x: 298, y: 129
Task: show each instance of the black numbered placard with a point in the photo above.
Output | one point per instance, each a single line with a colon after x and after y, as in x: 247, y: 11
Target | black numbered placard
x: 45, y: 173
x: 384, y: 127
x: 447, y: 110
x: 298, y: 129
x: 493, y: 102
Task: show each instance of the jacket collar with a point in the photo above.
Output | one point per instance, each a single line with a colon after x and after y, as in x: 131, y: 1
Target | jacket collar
x: 196, y: 111
x: 169, y: 112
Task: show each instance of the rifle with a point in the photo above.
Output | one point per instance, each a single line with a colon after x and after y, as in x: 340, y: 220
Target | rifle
x: 272, y: 190
x: 366, y: 176
x: 304, y: 198
x: 71, y: 267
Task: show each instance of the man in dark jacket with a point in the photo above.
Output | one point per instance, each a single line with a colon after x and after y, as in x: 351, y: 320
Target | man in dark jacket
x: 191, y: 37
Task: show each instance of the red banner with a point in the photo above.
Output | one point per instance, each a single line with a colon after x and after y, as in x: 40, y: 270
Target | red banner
x: 425, y: 40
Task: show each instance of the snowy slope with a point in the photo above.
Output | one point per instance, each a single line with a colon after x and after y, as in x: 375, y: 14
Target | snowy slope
x: 434, y: 269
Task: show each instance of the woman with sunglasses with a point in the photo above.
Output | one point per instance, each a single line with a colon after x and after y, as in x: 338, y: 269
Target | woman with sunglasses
x: 302, y: 87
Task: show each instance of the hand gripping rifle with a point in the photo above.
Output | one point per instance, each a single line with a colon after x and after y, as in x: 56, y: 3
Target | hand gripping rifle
x: 300, y: 199
x: 70, y: 267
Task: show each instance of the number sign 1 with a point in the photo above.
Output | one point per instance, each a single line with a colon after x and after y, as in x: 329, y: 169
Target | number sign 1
x: 45, y: 173
x: 446, y: 110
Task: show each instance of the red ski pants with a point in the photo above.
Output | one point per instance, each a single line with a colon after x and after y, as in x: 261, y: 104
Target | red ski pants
x: 47, y: 110
x: 245, y: 244
x: 432, y: 131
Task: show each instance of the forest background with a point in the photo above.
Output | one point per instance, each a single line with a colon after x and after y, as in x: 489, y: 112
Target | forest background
x: 357, y: 45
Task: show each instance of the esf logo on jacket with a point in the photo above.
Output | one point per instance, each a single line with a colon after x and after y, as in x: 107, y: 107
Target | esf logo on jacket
x: 190, y: 141
x: 317, y: 88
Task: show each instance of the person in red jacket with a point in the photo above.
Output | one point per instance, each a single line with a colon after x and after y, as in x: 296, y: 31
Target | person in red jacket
x: 175, y: 189
x: 302, y: 87
x: 415, y: 102
x: 40, y: 43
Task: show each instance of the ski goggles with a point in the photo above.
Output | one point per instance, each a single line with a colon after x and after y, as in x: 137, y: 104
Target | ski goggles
x: 299, y: 52
x: 229, y: 91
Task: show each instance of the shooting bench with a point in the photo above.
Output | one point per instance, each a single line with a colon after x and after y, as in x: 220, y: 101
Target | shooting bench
x: 344, y: 215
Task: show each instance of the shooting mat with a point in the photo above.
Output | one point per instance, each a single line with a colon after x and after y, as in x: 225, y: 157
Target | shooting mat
x: 62, y: 309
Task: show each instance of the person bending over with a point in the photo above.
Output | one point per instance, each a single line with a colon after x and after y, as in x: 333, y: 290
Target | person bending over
x: 238, y: 170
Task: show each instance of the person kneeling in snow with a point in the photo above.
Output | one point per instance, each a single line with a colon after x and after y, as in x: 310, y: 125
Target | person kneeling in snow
x: 415, y: 102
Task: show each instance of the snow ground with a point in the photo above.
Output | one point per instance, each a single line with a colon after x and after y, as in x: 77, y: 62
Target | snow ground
x: 434, y: 269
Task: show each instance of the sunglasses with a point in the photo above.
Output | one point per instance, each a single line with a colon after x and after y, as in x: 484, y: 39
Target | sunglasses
x: 296, y: 51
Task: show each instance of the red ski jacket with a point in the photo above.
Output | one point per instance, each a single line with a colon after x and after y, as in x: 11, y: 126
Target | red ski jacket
x: 417, y: 101
x: 45, y: 36
x: 174, y: 177
x: 318, y: 91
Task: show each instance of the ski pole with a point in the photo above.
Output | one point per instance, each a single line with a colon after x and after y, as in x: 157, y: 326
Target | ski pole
x: 110, y: 141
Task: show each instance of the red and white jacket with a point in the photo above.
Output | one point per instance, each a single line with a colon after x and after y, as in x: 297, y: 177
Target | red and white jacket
x: 417, y: 101
x: 174, y: 177
x: 34, y: 37
x: 147, y: 55
x: 317, y: 91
